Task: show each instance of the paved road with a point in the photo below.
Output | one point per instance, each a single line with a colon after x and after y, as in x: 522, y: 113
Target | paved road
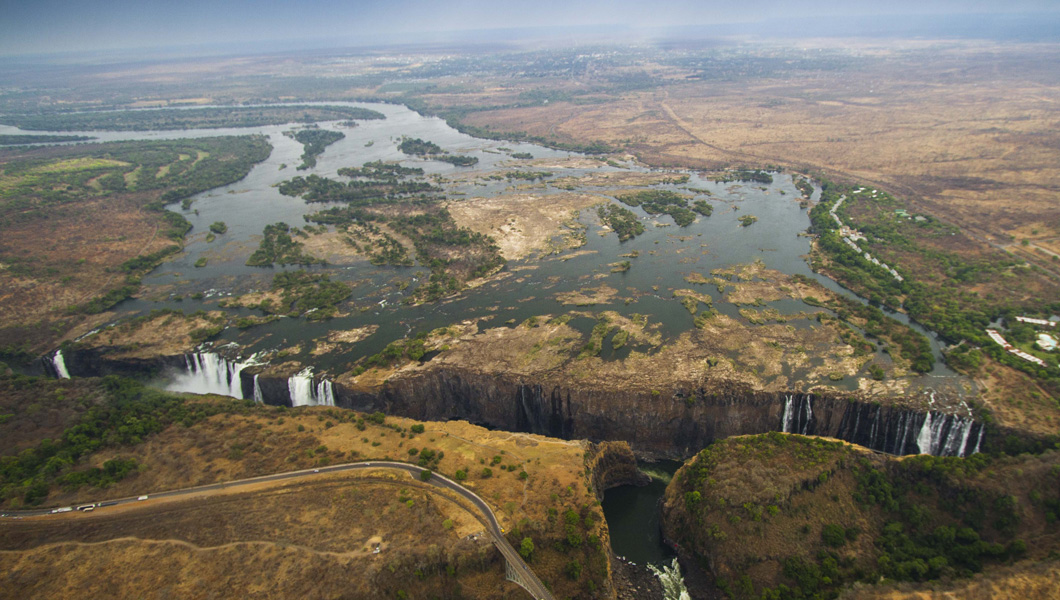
x: 496, y: 532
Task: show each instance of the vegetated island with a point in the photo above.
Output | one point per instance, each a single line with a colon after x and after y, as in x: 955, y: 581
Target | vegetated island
x: 418, y: 147
x: 21, y: 140
x: 187, y: 118
x: 622, y: 220
x: 656, y: 202
x: 455, y: 254
x: 315, y: 140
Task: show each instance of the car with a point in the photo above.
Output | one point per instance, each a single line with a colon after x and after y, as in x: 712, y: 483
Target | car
x: 142, y: 498
x: 316, y: 470
x: 86, y: 507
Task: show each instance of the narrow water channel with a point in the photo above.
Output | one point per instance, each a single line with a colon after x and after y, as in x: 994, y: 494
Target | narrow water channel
x: 634, y: 517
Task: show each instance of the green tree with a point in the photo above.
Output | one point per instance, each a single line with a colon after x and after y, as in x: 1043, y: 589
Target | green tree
x: 526, y: 548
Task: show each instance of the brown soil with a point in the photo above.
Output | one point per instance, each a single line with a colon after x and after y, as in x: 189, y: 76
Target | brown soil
x: 602, y: 294
x: 762, y: 348
x: 32, y: 413
x: 100, y: 233
x: 1026, y: 579
x: 522, y: 224
x: 259, y: 440
x: 307, y: 539
x: 745, y: 473
x: 966, y: 130
x: 162, y: 335
x: 1015, y: 399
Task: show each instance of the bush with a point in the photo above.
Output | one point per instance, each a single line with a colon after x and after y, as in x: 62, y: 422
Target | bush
x: 526, y: 548
x: 833, y: 535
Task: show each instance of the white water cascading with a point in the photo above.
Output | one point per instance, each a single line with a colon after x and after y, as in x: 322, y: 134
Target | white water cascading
x: 903, y: 433
x: 958, y: 437
x: 789, y: 414
x: 300, y: 387
x: 324, y: 395
x: 809, y: 415
x: 304, y: 392
x: 673, y: 583
x: 926, y: 436
x: 258, y: 397
x: 209, y: 373
x: 937, y: 439
x: 60, y: 365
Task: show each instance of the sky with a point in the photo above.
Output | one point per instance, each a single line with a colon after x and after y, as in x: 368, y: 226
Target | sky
x: 57, y: 26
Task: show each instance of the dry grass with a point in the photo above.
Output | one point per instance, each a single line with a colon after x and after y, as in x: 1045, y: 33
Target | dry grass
x: 161, y: 335
x: 522, y: 224
x: 312, y: 539
x: 328, y: 522
x: 1027, y: 579
x: 967, y: 130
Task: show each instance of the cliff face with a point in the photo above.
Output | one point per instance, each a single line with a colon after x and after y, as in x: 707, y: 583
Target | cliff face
x: 661, y: 423
x: 810, y: 503
x: 613, y: 464
x: 672, y: 423
x: 96, y: 362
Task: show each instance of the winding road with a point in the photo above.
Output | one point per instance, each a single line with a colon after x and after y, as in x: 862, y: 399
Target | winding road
x: 529, y: 581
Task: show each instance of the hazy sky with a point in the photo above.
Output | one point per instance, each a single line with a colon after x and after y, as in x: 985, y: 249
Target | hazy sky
x: 44, y: 26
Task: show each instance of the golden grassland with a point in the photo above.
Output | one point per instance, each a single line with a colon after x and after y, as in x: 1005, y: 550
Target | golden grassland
x: 530, y: 481
x: 307, y: 539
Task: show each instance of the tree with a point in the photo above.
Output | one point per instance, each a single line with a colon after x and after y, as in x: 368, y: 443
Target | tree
x: 526, y: 548
x: 425, y: 475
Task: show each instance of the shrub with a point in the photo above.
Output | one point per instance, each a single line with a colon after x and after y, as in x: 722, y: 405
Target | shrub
x: 833, y: 535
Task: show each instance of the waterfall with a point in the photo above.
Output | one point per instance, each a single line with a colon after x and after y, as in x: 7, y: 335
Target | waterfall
x: 875, y: 425
x: 209, y: 373
x: 672, y: 583
x: 789, y: 414
x: 300, y: 387
x: 809, y: 415
x: 946, y: 435
x: 903, y: 433
x: 60, y: 365
x: 304, y: 392
x: 324, y: 395
x: 926, y: 437
x: 258, y: 397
